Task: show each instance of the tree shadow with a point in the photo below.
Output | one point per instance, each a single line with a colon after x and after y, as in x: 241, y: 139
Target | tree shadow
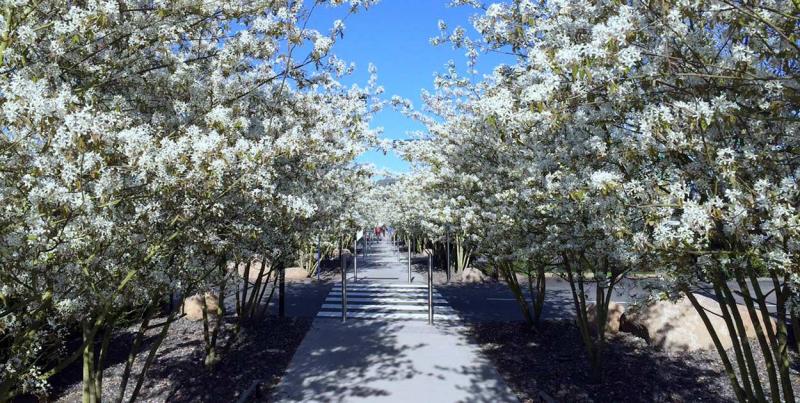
x: 373, y: 360
x: 342, y: 360
x: 552, y: 359
x: 260, y: 353
x: 493, y: 301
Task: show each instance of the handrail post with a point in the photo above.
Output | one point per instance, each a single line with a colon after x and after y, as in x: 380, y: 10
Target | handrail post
x: 319, y: 258
x: 430, y: 288
x: 344, y: 282
x: 355, y: 260
x: 408, y: 245
x: 448, y: 256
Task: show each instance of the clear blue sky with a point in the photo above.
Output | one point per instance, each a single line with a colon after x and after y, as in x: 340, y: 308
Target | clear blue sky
x: 395, y: 36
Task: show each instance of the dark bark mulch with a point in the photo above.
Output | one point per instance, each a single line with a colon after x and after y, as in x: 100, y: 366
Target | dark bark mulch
x: 261, y: 352
x: 553, y: 360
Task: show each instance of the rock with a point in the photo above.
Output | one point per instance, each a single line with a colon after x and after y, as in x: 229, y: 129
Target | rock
x: 255, y: 268
x: 296, y: 274
x: 677, y: 327
x: 472, y: 275
x: 193, y: 308
x: 615, y: 312
x: 345, y: 252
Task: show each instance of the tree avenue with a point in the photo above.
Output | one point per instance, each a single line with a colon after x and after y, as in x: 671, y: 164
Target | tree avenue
x: 153, y: 151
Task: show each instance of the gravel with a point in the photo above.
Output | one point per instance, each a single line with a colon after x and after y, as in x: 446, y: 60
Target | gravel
x: 553, y: 360
x: 260, y: 353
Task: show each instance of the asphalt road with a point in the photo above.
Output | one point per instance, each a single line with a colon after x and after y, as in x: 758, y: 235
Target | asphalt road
x: 490, y: 301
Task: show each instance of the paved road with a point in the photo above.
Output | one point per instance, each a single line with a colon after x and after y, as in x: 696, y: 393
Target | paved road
x: 482, y: 302
x: 382, y: 359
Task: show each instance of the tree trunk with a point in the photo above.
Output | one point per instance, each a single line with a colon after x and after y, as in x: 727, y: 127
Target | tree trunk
x: 507, y: 270
x: 541, y: 285
x: 282, y: 291
x: 88, y: 395
x: 151, y: 356
x: 137, y: 342
x: 726, y: 363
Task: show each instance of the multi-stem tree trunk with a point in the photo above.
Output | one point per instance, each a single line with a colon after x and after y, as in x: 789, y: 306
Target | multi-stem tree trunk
x: 147, y: 315
x: 771, y: 338
x: 252, y: 294
x: 593, y: 334
x: 536, y: 274
x: 92, y: 382
x: 506, y: 269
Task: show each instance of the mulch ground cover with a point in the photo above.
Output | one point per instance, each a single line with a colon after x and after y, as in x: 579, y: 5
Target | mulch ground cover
x: 553, y: 360
x: 260, y: 353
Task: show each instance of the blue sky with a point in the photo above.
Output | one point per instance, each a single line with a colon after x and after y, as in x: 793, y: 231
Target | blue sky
x: 394, y: 35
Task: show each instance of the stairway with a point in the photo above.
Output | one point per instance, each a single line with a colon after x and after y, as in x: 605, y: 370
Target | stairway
x: 386, y: 301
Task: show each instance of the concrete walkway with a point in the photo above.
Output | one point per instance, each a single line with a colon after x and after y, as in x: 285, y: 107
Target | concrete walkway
x: 374, y: 360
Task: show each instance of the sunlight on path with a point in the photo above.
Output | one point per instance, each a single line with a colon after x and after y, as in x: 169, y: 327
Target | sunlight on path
x: 377, y: 356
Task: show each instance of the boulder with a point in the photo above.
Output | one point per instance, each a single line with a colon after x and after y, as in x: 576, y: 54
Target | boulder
x: 472, y: 275
x: 193, y: 306
x: 255, y: 268
x: 677, y: 327
x: 615, y: 312
x: 345, y: 252
x: 296, y: 274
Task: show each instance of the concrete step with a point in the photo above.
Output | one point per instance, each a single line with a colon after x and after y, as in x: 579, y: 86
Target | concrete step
x: 380, y: 286
x: 356, y: 293
x: 388, y: 315
x: 351, y: 299
x: 388, y: 308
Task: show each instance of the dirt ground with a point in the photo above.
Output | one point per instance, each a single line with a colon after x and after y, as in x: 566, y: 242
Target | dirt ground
x: 261, y: 353
x: 553, y: 360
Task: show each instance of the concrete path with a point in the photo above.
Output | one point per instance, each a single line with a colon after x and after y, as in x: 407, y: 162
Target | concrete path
x: 389, y: 360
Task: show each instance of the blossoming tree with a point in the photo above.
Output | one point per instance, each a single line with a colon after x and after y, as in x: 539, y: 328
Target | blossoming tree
x: 144, y: 147
x: 658, y: 133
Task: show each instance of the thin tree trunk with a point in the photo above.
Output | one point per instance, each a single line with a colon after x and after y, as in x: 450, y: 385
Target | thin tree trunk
x: 100, y: 365
x: 263, y: 290
x: 137, y: 342
x: 151, y: 356
x: 88, y: 395
x: 766, y: 349
x: 265, y: 306
x: 541, y: 285
x: 744, y: 340
x: 248, y: 308
x: 580, y: 311
x: 737, y: 348
x: 246, y: 281
x: 507, y: 270
x: 282, y: 289
x: 211, y: 351
x: 726, y: 362
x: 782, y: 354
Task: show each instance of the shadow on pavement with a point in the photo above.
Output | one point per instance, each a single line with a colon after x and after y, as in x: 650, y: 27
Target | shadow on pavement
x: 389, y: 361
